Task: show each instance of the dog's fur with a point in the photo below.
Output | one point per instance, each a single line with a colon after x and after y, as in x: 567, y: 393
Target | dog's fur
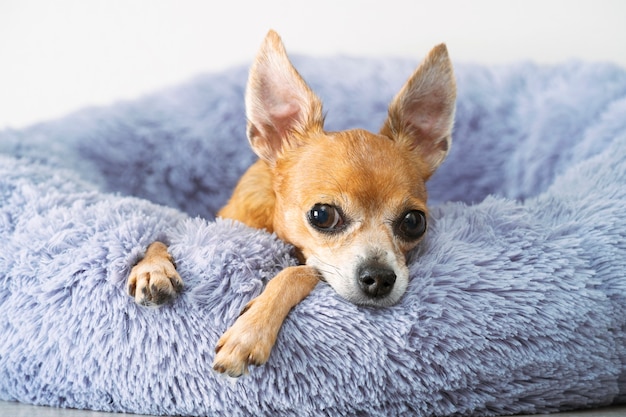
x: 353, y: 203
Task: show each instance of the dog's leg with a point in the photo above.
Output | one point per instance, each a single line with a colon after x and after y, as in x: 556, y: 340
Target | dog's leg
x: 154, y: 279
x: 250, y: 340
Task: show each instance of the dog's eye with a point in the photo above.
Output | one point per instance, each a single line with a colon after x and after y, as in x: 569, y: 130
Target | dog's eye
x: 411, y: 225
x: 326, y: 218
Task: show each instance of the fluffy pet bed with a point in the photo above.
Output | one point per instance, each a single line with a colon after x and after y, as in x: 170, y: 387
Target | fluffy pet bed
x: 517, y: 301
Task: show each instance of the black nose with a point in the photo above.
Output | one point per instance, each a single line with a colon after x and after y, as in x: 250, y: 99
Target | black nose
x: 376, y: 280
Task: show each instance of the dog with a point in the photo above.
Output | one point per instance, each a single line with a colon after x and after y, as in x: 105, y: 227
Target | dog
x: 352, y: 203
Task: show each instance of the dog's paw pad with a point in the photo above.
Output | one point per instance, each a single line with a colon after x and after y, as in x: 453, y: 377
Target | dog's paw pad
x: 247, y: 342
x: 154, y: 281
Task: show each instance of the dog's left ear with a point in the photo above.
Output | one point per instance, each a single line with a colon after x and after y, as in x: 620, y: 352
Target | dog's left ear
x: 422, y: 113
x: 280, y: 106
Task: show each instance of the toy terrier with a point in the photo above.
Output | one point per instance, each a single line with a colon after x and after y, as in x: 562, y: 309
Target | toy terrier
x: 352, y: 203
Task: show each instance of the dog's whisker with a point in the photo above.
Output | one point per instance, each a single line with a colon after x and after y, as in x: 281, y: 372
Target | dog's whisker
x: 327, y: 268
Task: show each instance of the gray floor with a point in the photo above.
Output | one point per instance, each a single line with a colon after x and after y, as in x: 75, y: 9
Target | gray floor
x: 8, y: 409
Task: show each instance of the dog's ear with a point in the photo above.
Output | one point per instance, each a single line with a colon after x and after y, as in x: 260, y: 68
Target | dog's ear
x: 280, y: 107
x: 422, y: 113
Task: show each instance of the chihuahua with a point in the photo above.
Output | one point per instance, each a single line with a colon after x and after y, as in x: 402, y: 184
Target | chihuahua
x: 352, y: 203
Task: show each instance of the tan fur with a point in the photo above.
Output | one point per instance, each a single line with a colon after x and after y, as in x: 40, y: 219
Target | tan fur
x: 253, y: 199
x: 374, y: 179
x: 154, y: 280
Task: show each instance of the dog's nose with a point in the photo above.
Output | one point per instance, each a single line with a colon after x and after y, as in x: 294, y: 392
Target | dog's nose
x: 376, y: 280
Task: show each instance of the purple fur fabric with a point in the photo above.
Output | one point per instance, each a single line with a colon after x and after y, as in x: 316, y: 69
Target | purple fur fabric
x: 517, y: 296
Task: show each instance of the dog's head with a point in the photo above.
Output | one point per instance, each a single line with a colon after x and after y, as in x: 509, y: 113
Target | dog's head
x: 353, y: 202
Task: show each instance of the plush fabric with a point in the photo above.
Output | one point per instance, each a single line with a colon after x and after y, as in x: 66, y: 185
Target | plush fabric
x: 517, y: 299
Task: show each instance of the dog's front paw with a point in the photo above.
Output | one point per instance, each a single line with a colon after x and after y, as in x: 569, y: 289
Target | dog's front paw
x: 154, y: 280
x: 248, y: 342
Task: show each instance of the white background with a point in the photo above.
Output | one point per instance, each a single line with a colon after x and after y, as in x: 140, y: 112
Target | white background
x: 57, y: 56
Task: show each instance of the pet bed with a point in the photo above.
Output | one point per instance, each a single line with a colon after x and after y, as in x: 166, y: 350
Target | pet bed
x: 517, y: 298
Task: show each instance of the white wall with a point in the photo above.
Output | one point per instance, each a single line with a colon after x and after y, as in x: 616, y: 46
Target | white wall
x: 57, y: 56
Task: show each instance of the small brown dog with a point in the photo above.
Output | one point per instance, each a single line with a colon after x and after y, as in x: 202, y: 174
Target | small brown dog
x: 353, y: 203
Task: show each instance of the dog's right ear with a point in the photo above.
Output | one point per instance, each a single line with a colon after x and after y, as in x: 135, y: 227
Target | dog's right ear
x: 280, y: 106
